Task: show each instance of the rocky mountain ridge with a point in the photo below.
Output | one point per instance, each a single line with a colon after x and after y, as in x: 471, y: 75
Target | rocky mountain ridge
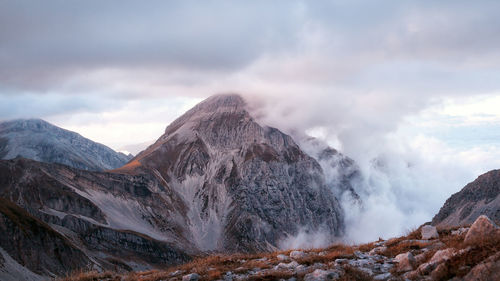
x: 247, y: 186
x: 41, y: 141
x: 104, y: 221
x: 215, y: 181
x: 480, y: 197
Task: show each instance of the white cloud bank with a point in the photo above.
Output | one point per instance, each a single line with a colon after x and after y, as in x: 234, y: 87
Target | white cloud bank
x: 376, y: 78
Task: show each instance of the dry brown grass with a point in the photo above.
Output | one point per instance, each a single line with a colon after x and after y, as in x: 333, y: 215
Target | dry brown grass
x: 331, y: 253
x: 273, y: 275
x: 404, y: 246
x: 91, y: 276
x: 354, y: 274
x: 476, y: 252
x: 215, y: 266
x: 366, y: 247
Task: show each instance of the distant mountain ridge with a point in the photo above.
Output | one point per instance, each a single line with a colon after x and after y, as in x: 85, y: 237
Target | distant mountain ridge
x: 41, y: 141
x: 480, y: 197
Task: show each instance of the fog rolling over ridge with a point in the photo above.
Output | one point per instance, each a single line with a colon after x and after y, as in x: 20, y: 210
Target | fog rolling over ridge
x: 394, y: 85
x: 403, y: 182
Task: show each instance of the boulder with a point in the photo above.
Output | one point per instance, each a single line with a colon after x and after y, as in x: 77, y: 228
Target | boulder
x: 429, y: 232
x: 482, y: 228
x: 297, y: 254
x: 282, y: 257
x: 488, y: 270
x: 442, y: 255
x: 322, y: 275
x: 440, y: 273
x: 412, y: 275
x: 421, y: 258
x: 191, y: 277
x: 425, y: 268
x: 406, y: 262
x: 378, y: 250
x: 292, y: 265
x: 383, y: 276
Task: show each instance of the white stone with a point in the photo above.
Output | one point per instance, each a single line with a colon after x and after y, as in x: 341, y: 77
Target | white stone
x: 442, y: 255
x: 297, y: 254
x: 378, y: 250
x: 322, y: 275
x: 383, y: 276
x: 282, y: 257
x: 291, y: 265
x: 191, y: 277
x: 429, y: 232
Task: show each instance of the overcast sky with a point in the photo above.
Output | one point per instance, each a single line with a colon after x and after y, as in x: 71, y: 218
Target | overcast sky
x: 417, y: 79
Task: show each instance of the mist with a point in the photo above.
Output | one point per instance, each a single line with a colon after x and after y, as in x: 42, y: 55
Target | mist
x: 405, y: 175
x: 386, y: 83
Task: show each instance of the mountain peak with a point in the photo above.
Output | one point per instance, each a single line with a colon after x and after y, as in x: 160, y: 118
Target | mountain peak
x: 222, y: 100
x: 246, y: 186
x: 33, y: 124
x: 207, y: 109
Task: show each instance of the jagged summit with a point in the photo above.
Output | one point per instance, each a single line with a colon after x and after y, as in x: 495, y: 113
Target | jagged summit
x: 217, y: 104
x: 247, y: 186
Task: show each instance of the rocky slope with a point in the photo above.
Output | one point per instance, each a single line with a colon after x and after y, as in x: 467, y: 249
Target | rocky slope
x: 464, y: 254
x: 246, y: 186
x: 87, y: 220
x: 36, y: 244
x: 41, y: 141
x: 480, y: 197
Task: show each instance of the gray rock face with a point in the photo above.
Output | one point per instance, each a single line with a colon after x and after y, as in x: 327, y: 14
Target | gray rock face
x: 33, y: 243
x: 246, y: 186
x: 340, y: 171
x: 41, y: 141
x: 480, y: 197
x: 88, y: 220
x: 215, y: 181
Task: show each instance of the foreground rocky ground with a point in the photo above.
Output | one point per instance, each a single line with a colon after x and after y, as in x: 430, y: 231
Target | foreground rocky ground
x: 468, y: 253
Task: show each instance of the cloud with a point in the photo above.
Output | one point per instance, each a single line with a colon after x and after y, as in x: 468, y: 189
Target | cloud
x: 362, y: 73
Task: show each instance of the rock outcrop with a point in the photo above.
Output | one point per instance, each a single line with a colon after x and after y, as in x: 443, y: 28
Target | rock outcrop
x: 73, y: 219
x: 482, y: 229
x: 480, y: 197
x: 429, y: 232
x: 41, y: 141
x: 35, y: 245
x: 246, y: 186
